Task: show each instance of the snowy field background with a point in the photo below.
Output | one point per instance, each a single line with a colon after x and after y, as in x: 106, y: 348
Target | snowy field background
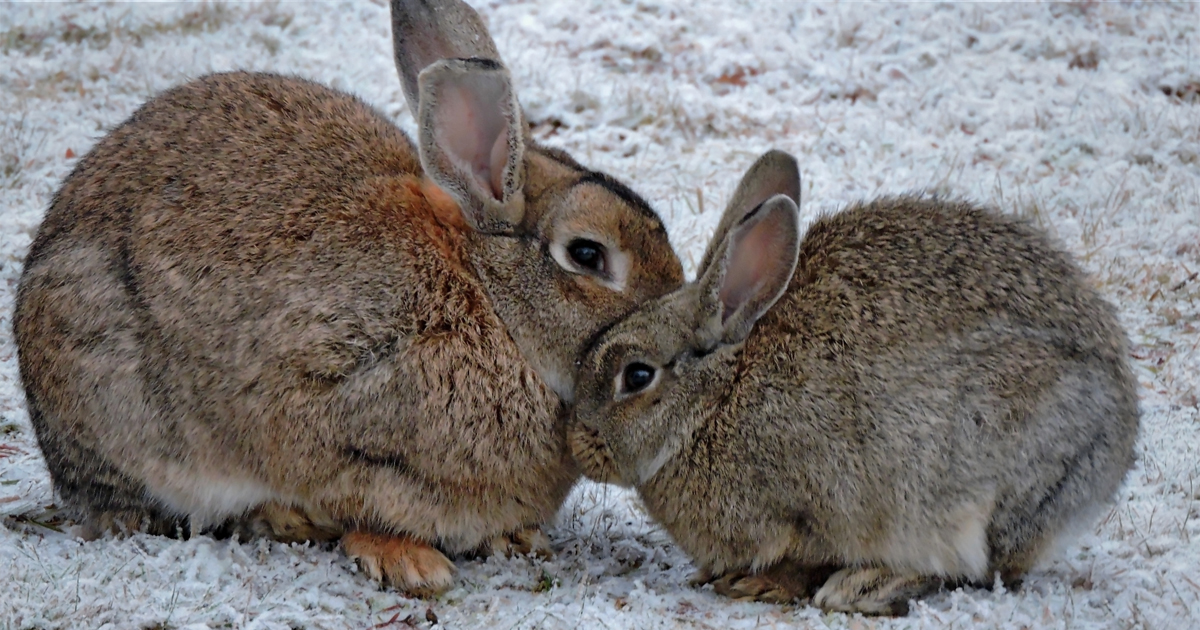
x: 1084, y: 115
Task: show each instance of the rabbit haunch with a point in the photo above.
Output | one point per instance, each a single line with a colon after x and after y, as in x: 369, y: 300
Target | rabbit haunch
x: 917, y: 390
x: 257, y: 304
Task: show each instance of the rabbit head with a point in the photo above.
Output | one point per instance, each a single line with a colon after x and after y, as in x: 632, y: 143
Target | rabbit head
x: 562, y: 250
x: 649, y: 381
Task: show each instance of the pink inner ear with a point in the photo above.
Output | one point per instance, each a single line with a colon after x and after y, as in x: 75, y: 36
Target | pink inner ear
x: 754, y: 260
x: 474, y: 131
x: 498, y: 162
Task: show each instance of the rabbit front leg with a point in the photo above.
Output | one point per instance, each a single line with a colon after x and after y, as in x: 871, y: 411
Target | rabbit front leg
x: 873, y: 591
x: 406, y: 563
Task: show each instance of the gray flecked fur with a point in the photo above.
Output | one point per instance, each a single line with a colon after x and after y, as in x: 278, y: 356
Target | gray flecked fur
x: 937, y: 394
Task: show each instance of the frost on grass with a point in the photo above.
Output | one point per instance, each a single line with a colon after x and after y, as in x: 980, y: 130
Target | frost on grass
x: 1082, y: 116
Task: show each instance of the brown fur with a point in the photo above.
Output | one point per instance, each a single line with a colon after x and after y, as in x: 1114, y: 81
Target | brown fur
x: 253, y: 297
x: 937, y: 394
x: 399, y: 559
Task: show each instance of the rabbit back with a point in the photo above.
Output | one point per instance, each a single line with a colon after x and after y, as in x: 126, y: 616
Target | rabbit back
x: 959, y: 386
x: 937, y: 390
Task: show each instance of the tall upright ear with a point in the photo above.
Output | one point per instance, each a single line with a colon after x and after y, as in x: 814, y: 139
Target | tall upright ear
x: 774, y: 173
x: 424, y: 31
x: 751, y: 269
x: 469, y: 134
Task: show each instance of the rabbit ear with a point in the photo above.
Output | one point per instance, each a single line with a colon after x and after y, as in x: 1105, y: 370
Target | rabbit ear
x: 469, y: 133
x: 751, y: 269
x: 424, y: 31
x: 774, y: 173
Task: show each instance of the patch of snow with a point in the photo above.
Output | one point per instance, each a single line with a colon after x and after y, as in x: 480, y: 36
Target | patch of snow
x: 1083, y: 115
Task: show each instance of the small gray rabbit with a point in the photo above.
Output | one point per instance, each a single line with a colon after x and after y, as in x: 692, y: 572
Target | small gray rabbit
x: 918, y: 392
x: 256, y: 301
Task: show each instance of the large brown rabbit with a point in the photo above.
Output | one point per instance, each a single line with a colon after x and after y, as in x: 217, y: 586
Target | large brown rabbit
x: 256, y: 296
x: 918, y: 391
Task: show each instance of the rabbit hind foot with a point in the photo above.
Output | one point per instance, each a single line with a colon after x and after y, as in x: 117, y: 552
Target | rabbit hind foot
x: 873, y: 591
x: 120, y: 523
x: 785, y: 582
x: 528, y: 541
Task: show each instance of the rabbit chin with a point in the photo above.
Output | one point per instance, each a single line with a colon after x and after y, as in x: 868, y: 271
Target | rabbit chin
x: 647, y: 469
x: 560, y: 383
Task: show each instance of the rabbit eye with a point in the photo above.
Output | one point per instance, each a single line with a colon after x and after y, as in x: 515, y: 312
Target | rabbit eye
x: 587, y: 254
x: 636, y: 377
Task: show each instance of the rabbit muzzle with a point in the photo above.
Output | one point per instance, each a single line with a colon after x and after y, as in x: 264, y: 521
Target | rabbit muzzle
x: 593, y: 455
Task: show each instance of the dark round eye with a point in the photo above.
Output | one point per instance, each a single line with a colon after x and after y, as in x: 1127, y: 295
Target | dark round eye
x: 637, y: 376
x: 587, y: 254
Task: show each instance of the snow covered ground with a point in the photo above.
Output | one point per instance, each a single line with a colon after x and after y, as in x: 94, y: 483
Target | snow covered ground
x: 1084, y: 115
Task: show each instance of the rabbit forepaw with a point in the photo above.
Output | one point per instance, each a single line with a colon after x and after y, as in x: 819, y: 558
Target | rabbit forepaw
x: 403, y: 562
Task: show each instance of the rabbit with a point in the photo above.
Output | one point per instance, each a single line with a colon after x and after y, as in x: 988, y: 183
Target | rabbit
x: 920, y: 392
x: 257, y: 301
